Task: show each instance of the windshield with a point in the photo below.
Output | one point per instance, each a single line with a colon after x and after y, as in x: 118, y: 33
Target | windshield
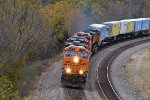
x: 70, y: 53
x: 83, y: 54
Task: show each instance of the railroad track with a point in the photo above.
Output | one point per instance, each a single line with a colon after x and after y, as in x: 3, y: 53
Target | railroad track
x: 103, y: 72
x: 74, y: 94
x: 50, y: 87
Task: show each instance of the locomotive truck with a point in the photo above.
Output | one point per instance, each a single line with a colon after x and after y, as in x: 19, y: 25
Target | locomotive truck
x: 81, y: 45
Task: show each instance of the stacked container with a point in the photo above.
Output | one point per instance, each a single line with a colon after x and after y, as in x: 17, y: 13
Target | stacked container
x: 130, y: 28
x: 113, y: 28
x: 101, y: 28
x: 123, y: 26
x: 145, y: 23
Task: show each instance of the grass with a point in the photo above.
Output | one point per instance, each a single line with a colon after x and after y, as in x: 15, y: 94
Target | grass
x: 142, y: 84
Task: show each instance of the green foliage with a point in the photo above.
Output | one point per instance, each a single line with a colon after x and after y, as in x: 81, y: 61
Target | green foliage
x: 8, y: 89
x: 12, y: 69
x: 10, y: 77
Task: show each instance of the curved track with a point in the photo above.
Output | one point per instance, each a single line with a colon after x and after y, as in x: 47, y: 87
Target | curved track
x: 49, y: 86
x: 103, y: 76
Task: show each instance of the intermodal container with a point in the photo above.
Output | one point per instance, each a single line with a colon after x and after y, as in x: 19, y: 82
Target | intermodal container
x: 101, y: 29
x: 102, y: 32
x: 123, y: 26
x: 113, y: 28
x: 130, y: 27
x: 145, y: 23
x: 138, y: 25
x: 149, y: 22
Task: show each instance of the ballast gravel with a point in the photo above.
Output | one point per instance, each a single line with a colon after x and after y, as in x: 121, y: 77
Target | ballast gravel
x: 120, y: 78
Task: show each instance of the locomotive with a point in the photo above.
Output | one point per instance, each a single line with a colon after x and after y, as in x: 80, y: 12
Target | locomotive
x: 79, y: 48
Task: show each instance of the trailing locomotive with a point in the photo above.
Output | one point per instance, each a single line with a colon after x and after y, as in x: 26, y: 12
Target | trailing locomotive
x: 81, y: 45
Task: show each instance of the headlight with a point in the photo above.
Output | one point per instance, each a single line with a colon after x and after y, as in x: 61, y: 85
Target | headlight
x: 81, y: 72
x: 68, y: 70
x: 76, y: 59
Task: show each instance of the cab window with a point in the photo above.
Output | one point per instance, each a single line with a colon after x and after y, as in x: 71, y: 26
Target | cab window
x: 83, y: 54
x: 69, y: 53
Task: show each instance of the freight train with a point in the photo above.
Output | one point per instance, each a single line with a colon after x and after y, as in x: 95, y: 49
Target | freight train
x: 79, y: 48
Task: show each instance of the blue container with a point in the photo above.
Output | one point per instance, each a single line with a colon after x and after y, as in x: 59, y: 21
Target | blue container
x: 138, y: 25
x: 102, y: 32
x: 149, y: 21
x: 145, y: 23
x: 100, y: 28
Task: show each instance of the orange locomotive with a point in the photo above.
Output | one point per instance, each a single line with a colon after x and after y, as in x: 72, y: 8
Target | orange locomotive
x: 75, y: 65
x: 76, y: 58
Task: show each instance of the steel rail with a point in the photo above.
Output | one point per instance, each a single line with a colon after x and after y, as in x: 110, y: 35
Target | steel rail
x: 104, y: 84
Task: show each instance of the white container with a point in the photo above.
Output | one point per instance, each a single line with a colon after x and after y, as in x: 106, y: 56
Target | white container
x: 123, y: 26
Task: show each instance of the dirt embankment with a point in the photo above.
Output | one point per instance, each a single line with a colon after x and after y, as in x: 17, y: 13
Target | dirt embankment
x: 139, y: 71
x: 33, y: 73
